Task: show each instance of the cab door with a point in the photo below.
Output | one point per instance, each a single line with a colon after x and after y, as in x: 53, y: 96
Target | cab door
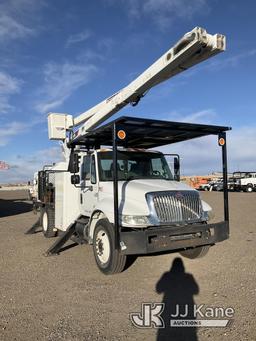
x: 89, y: 185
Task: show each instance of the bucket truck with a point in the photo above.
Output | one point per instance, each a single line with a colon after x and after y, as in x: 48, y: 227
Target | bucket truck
x: 114, y: 191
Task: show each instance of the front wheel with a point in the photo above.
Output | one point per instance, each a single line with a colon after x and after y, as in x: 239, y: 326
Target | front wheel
x: 197, y: 252
x: 249, y: 189
x: 109, y: 260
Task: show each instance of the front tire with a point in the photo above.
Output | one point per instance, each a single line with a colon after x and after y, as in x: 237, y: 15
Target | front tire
x: 109, y: 260
x: 249, y: 188
x: 48, y: 222
x: 197, y: 252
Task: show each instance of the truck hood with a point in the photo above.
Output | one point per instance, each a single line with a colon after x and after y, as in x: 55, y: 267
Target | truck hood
x: 132, y: 193
x: 145, y: 186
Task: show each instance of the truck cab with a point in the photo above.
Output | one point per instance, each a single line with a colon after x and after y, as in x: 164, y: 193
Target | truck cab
x: 147, y: 183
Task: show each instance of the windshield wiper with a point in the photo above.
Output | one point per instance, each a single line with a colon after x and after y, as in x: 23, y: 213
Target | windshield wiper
x: 131, y: 177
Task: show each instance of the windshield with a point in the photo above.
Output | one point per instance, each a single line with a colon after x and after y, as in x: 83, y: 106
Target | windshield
x: 134, y: 165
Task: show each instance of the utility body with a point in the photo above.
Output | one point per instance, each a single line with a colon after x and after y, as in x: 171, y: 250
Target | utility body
x: 114, y: 190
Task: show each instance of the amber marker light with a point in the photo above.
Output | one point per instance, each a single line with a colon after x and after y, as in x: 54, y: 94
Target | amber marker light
x: 221, y: 141
x: 121, y: 134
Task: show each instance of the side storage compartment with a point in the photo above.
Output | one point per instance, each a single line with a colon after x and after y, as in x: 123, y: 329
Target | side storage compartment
x: 67, y: 205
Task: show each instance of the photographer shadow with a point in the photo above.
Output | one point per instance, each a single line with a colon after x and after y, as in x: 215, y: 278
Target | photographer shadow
x: 178, y: 288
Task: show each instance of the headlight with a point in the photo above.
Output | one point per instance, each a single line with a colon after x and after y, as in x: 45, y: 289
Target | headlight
x: 208, y: 215
x: 136, y: 220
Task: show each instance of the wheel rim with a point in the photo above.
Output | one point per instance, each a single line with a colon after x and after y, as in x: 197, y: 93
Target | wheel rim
x: 249, y: 189
x: 102, y: 246
x: 45, y: 221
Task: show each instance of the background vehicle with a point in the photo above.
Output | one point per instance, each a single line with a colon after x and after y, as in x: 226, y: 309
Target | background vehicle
x: 245, y: 181
x: 33, y: 189
x: 199, y: 182
x: 217, y: 185
x: 207, y: 186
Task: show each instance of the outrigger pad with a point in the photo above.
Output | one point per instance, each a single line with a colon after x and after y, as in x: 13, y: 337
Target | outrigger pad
x: 33, y: 229
x: 56, y: 247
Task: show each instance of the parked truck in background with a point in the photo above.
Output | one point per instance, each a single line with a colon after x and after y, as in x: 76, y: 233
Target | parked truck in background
x: 245, y: 181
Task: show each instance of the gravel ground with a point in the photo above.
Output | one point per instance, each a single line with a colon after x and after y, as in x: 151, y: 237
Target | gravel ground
x: 67, y: 298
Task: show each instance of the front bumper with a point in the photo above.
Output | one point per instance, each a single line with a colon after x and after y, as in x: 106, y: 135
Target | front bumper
x: 172, y: 238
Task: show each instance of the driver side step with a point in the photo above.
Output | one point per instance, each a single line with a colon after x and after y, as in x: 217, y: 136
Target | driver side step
x: 70, y: 233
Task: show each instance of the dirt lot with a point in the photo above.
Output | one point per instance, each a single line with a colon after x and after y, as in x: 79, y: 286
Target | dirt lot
x: 66, y: 297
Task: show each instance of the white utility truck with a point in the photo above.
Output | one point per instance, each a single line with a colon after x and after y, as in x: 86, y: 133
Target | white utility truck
x: 245, y: 181
x: 114, y: 190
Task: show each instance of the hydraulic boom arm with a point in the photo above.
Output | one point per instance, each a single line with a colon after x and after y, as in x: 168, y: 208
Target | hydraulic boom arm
x: 191, y: 49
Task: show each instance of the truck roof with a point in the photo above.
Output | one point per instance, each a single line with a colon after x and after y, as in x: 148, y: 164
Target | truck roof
x: 146, y: 133
x: 121, y: 149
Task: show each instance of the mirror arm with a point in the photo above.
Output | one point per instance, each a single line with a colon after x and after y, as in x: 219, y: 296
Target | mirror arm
x: 90, y: 187
x: 77, y: 186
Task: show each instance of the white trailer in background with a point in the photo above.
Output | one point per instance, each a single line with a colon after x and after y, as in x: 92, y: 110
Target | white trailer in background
x: 125, y: 199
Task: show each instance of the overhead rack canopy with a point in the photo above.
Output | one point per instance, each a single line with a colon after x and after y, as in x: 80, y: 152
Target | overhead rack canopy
x: 146, y: 133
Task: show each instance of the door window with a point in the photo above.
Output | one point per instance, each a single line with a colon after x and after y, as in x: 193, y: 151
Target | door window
x: 93, y: 171
x: 86, y: 175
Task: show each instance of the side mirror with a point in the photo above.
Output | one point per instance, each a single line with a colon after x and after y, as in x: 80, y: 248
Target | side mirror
x: 75, y: 179
x: 73, y: 166
x: 177, y: 169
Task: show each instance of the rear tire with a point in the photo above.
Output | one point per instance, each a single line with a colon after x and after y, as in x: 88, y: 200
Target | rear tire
x: 197, y: 252
x: 109, y: 260
x: 48, y: 222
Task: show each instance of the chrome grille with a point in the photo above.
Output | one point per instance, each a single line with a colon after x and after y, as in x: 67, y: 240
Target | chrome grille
x: 176, y: 206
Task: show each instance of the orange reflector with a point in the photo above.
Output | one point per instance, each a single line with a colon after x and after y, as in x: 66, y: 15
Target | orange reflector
x: 221, y: 141
x: 121, y: 134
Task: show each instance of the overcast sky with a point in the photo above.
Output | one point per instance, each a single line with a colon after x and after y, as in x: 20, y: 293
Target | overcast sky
x: 66, y: 56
